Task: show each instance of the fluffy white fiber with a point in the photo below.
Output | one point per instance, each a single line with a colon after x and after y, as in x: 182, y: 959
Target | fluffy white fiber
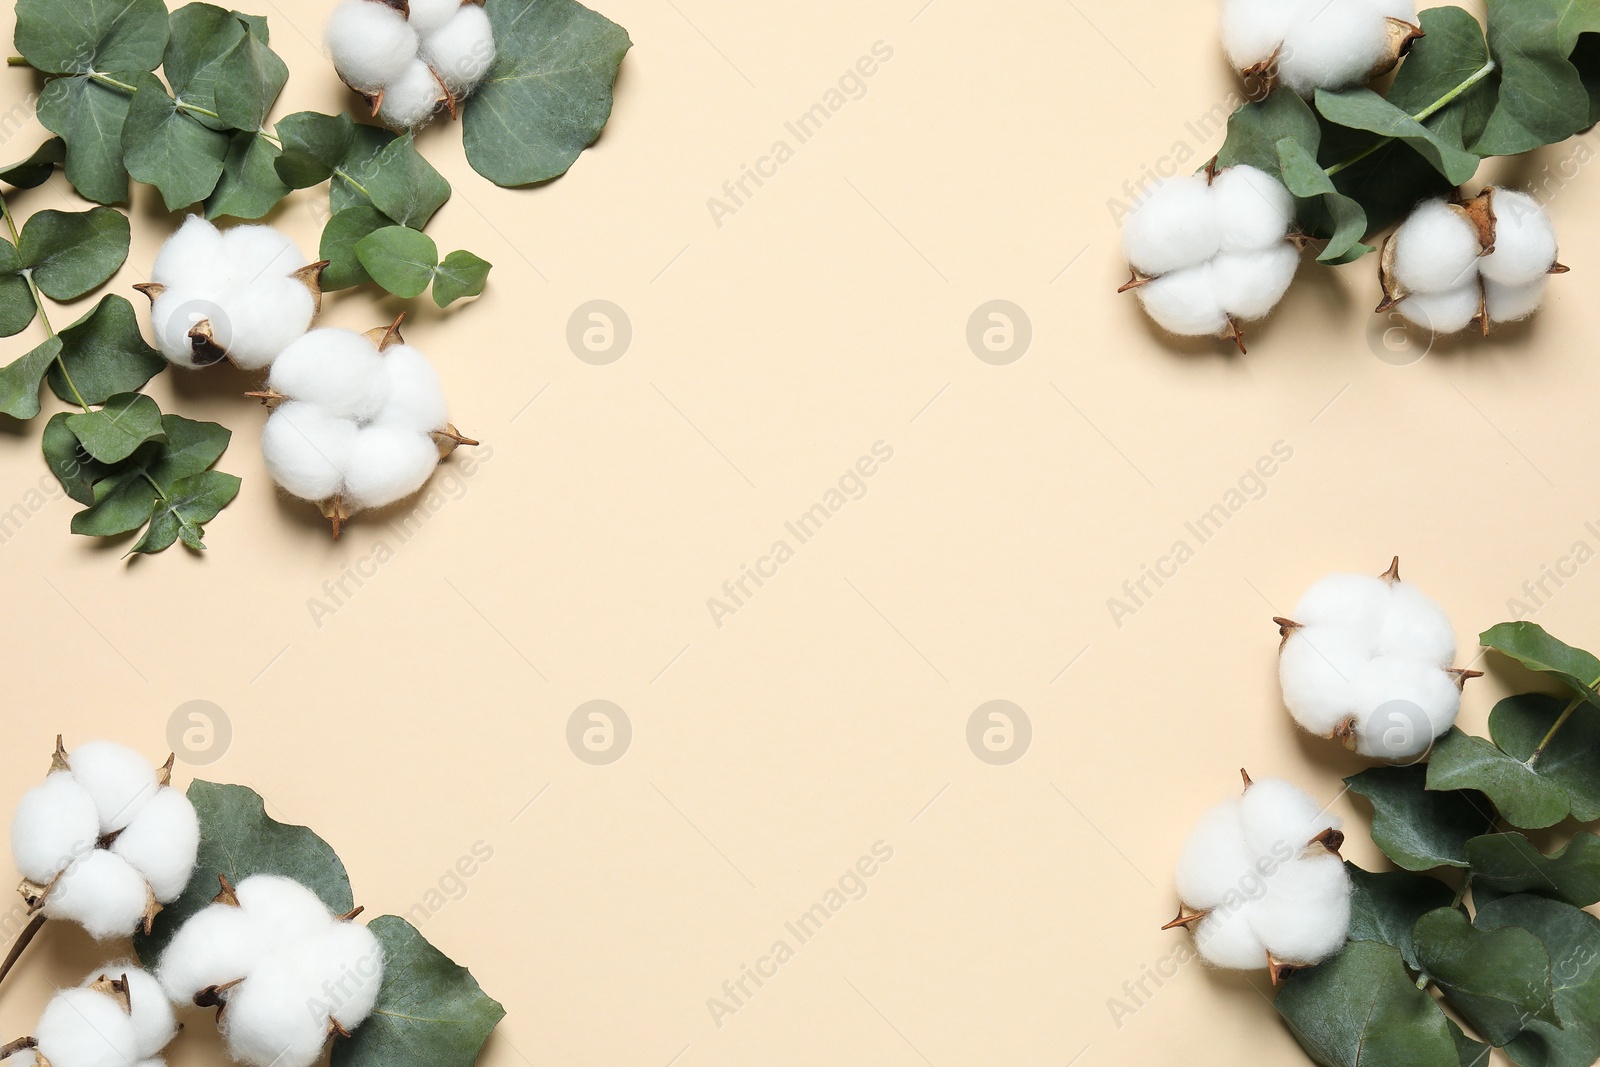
x: 238, y: 285
x: 1368, y: 661
x: 1213, y: 252
x: 357, y: 423
x: 103, y: 838
x: 1312, y: 44
x: 410, y: 64
x: 1261, y: 883
x: 154, y: 1022
x: 86, y: 1027
x: 297, y: 968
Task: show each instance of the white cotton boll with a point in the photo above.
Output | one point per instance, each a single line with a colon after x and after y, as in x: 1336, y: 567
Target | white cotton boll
x: 1443, y: 313
x: 101, y: 893
x: 161, y: 843
x: 193, y: 257
x: 1304, y: 916
x: 1404, y: 10
x: 1524, y: 240
x: 1319, y: 669
x: 1280, y: 819
x: 55, y: 822
x: 154, y: 1023
x: 1416, y: 627
x: 267, y: 317
x: 348, y: 965
x: 1248, y: 285
x: 411, y: 99
x: 306, y: 449
x: 1174, y: 226
x: 1213, y: 857
x: 285, y: 909
x: 1184, y: 302
x: 1508, y: 303
x: 83, y: 1028
x: 1226, y: 939
x: 340, y: 371
x: 257, y: 252
x: 1357, y: 601
x: 1333, y: 45
x: 175, y: 312
x: 462, y: 50
x: 1435, y: 250
x: 388, y: 464
x: 1253, y: 29
x: 120, y: 780
x: 217, y: 945
x: 416, y: 399
x: 371, y: 43
x: 1254, y: 209
x: 1402, y: 706
x: 272, y: 1019
x: 430, y: 16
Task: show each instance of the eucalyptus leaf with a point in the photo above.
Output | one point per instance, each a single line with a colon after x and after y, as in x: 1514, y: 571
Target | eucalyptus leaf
x: 17, y: 306
x: 75, y: 469
x: 202, y: 34
x: 1472, y: 1053
x: 399, y: 259
x: 1540, y: 98
x: 1417, y: 827
x: 78, y: 36
x: 89, y: 118
x: 1385, y: 906
x: 339, y: 239
x: 71, y: 253
x: 1306, y: 179
x: 461, y: 274
x: 169, y: 148
x: 1564, y: 779
x: 404, y: 186
x: 1575, y: 17
x: 191, y: 447
x: 1497, y: 979
x: 122, y: 504
x: 313, y: 145
x: 1508, y: 863
x: 358, y: 166
x: 111, y: 433
x: 1530, y: 645
x: 19, y: 380
x: 1255, y: 129
x: 104, y: 355
x: 1451, y: 53
x: 1363, y: 109
x: 1572, y: 939
x: 249, y: 78
x: 249, y: 186
x: 190, y: 504
x: 37, y: 168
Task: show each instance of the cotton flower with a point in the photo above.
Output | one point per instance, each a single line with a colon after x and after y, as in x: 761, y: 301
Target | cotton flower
x: 1261, y: 883
x: 1211, y: 250
x: 408, y: 59
x: 104, y: 841
x: 242, y: 294
x: 1451, y: 264
x: 118, y: 1017
x: 1307, y: 45
x: 1367, y: 660
x: 284, y: 972
x: 359, y: 420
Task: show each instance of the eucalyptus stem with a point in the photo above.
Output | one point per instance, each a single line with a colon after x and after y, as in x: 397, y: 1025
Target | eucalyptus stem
x: 1422, y: 116
x: 1461, y: 891
x: 28, y: 933
x: 44, y: 319
x: 1559, y: 723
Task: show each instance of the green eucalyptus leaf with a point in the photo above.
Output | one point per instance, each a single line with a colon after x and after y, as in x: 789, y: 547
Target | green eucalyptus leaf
x: 1564, y: 779
x: 1451, y: 52
x: 461, y: 274
x: 548, y: 94
x: 191, y: 447
x: 399, y: 259
x: 1417, y: 827
x: 202, y: 34
x: 1530, y: 645
x: 122, y: 504
x: 237, y: 839
x: 17, y: 306
x: 358, y: 166
x: 1385, y: 906
x: 405, y: 186
x: 170, y: 149
x: 75, y: 469
x: 1472, y: 1053
x: 1541, y: 98
x: 249, y: 79
x: 71, y: 253
x: 1508, y: 863
x: 249, y: 186
x: 79, y: 36
x: 1462, y: 761
x: 1363, y: 109
x: 37, y: 168
x: 104, y: 354
x: 1572, y: 939
x: 1307, y: 180
x: 430, y: 1011
x: 1361, y: 1009
x: 339, y: 239
x: 313, y: 145
x: 112, y: 433
x: 89, y: 118
x: 19, y: 380
x: 1575, y: 17
x: 190, y: 504
x: 1255, y: 129
x: 1496, y: 979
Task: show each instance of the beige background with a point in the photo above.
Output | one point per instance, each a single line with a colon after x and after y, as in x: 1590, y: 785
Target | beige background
x: 428, y: 712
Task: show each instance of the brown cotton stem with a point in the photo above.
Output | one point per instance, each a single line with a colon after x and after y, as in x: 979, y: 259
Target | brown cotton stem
x: 28, y: 933
x: 1184, y: 918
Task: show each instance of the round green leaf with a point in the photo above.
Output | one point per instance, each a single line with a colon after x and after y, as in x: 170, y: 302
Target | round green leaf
x: 19, y: 380
x: 1530, y: 645
x: 1508, y: 863
x: 1565, y: 779
x: 202, y: 34
x: 122, y: 503
x: 182, y: 514
x: 313, y: 145
x: 74, y: 468
x: 89, y: 117
x: 78, y: 36
x: 17, y: 306
x: 1417, y: 827
x: 339, y: 239
x: 112, y: 433
x: 1385, y: 906
x: 71, y: 253
x: 461, y: 274
x: 37, y: 168
x: 249, y: 79
x: 400, y: 259
x: 359, y: 166
x: 170, y: 149
x: 1540, y: 98
x: 249, y: 186
x: 105, y: 354
x: 1497, y: 979
x: 402, y: 184
x: 1572, y: 939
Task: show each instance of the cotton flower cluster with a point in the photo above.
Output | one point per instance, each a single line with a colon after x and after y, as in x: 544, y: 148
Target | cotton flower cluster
x: 104, y: 841
x: 1261, y: 881
x: 243, y: 294
x: 1367, y: 660
x: 118, y: 1017
x: 1211, y: 250
x: 360, y: 420
x: 285, y: 973
x: 408, y: 59
x: 1483, y: 261
x: 1307, y: 45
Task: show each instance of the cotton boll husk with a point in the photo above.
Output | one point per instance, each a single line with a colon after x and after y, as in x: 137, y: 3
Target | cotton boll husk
x: 388, y: 464
x: 430, y: 16
x: 1356, y: 602
x: 306, y: 449
x: 416, y: 398
x: 371, y: 43
x: 267, y: 317
x: 1184, y: 302
x: 217, y: 945
x: 1402, y: 706
x: 175, y: 312
x: 161, y: 843
x: 1225, y: 939
x: 120, y: 781
x: 1249, y: 284
x: 154, y: 1023
x: 338, y: 370
x: 84, y: 1028
x: 1175, y: 226
x: 193, y: 257
x: 1435, y: 250
x: 1304, y: 915
x: 1416, y: 627
x: 101, y: 893
x: 1279, y: 819
x: 1508, y: 303
x: 1524, y: 240
x: 1254, y: 210
x: 1443, y: 313
x: 1213, y: 859
x: 270, y: 1020
x: 286, y: 910
x: 348, y: 960
x: 462, y: 51
x: 1319, y: 669
x: 1332, y: 46
x: 55, y: 822
x: 1253, y: 29
x: 411, y: 99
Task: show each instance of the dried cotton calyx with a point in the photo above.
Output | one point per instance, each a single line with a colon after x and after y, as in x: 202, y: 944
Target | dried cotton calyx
x: 1307, y: 45
x: 408, y: 58
x: 1458, y: 263
x: 359, y: 420
x: 242, y: 294
x: 1261, y: 883
x: 1211, y: 250
x: 105, y: 841
x: 284, y: 973
x: 118, y: 1017
x: 1368, y: 661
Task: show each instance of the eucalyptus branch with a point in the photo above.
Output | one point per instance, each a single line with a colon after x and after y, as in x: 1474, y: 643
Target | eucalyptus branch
x: 1421, y: 116
x: 1555, y: 728
x: 44, y: 317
